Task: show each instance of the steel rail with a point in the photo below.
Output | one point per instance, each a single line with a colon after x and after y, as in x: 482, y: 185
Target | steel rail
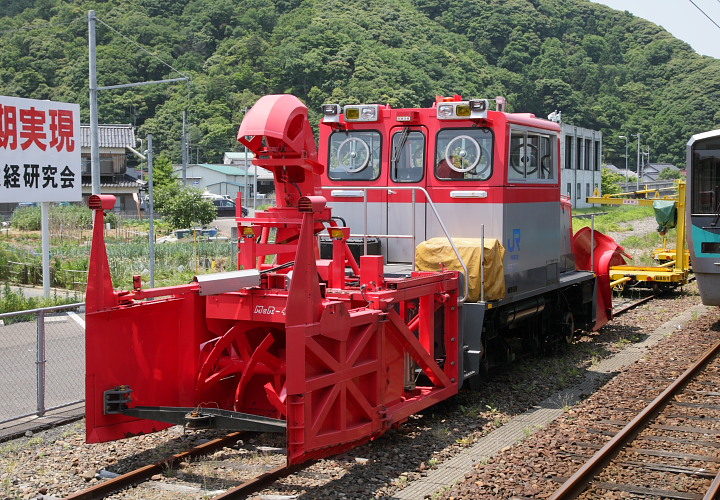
x: 624, y: 306
x: 713, y: 493
x: 104, y: 489
x: 577, y: 483
x: 263, y: 479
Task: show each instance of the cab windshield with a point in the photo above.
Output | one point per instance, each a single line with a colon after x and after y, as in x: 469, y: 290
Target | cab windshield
x: 407, y: 159
x: 354, y: 155
x: 706, y: 177
x: 464, y: 154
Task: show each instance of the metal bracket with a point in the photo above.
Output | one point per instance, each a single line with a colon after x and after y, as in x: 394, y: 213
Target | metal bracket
x: 117, y: 399
x: 207, y: 418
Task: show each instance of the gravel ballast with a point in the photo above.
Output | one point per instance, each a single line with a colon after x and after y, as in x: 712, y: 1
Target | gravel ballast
x: 55, y: 463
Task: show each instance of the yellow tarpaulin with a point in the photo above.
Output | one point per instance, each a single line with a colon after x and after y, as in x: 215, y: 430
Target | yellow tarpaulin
x: 430, y: 255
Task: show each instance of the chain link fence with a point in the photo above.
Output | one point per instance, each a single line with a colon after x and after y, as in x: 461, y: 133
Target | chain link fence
x: 30, y: 273
x: 42, y: 352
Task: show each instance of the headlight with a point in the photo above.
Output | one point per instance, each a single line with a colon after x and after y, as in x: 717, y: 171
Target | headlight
x: 331, y: 113
x: 362, y: 113
x: 478, y: 104
x: 461, y: 110
x: 368, y: 113
x: 445, y: 111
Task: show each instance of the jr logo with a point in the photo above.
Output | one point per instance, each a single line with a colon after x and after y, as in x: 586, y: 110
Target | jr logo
x: 513, y: 244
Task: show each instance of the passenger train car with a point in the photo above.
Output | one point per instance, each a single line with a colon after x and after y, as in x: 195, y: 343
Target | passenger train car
x: 703, y: 213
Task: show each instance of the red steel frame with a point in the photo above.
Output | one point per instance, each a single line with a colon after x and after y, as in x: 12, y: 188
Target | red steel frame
x: 326, y: 352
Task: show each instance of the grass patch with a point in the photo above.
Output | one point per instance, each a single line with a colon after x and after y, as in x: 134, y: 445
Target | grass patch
x: 614, y: 218
x: 13, y: 301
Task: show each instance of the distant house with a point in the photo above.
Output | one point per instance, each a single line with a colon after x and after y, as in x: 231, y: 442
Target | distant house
x: 229, y: 179
x: 628, y: 174
x: 651, y: 171
x: 238, y: 158
x: 116, y: 178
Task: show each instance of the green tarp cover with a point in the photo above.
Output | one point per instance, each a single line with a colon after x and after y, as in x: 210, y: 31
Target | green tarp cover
x: 665, y: 215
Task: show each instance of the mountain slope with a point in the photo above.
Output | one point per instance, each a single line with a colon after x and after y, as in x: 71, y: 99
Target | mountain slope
x: 604, y: 69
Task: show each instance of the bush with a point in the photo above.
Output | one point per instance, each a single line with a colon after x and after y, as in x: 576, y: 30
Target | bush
x: 26, y: 218
x: 186, y: 207
x: 13, y: 301
x: 68, y: 216
x: 611, y: 182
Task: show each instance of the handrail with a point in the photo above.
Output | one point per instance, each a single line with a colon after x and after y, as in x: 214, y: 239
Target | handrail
x: 414, y: 189
x: 62, y: 307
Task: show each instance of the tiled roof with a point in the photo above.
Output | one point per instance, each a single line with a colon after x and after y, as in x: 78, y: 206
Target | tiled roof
x: 110, y: 136
x: 126, y: 181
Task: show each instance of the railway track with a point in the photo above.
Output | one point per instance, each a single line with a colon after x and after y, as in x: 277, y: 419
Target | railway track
x: 143, y: 473
x: 622, y: 304
x: 668, y: 450
x: 137, y: 477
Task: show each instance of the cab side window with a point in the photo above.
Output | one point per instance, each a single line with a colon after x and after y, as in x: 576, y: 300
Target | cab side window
x: 532, y: 156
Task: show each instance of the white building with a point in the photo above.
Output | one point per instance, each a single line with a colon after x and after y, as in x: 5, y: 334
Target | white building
x: 229, y: 179
x: 581, y: 152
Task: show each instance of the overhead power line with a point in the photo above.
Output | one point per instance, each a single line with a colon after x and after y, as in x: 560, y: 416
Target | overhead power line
x: 141, y: 47
x: 705, y: 14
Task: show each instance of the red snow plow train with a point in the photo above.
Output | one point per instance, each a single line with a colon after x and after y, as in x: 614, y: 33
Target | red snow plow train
x: 463, y: 257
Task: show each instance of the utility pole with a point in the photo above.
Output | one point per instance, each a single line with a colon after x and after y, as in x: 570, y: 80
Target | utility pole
x: 184, y: 149
x: 151, y: 209
x: 638, y: 172
x: 626, y: 160
x: 94, y: 143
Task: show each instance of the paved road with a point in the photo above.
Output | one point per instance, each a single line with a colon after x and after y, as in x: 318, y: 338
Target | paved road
x: 64, y: 368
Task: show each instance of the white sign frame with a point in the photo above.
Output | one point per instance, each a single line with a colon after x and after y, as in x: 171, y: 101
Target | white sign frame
x: 39, y: 151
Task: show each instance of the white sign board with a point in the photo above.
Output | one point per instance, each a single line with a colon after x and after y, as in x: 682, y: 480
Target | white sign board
x: 39, y: 151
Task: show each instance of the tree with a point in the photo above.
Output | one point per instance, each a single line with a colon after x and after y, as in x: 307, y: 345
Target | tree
x: 610, y: 182
x: 185, y: 207
x: 163, y: 172
x: 667, y: 174
x: 181, y: 206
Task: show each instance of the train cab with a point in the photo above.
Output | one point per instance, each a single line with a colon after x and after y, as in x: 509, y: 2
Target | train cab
x: 703, y: 213
x: 456, y: 169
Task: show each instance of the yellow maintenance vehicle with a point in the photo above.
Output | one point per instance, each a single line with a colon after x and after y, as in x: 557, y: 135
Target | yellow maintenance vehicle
x: 674, y: 269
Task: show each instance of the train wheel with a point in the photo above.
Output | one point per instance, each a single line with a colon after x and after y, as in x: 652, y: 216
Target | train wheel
x: 567, y: 327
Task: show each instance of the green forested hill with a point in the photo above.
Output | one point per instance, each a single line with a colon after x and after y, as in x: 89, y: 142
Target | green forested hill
x: 604, y: 69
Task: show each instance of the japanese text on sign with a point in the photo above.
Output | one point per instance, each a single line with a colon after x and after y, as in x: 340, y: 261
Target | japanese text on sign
x: 39, y: 151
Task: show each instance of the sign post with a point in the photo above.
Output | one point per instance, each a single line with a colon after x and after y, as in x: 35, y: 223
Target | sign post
x: 40, y: 158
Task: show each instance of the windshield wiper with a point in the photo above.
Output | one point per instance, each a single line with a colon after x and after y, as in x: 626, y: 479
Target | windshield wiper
x: 399, y: 147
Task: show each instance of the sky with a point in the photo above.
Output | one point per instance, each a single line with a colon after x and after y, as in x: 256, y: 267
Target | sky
x: 681, y: 18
